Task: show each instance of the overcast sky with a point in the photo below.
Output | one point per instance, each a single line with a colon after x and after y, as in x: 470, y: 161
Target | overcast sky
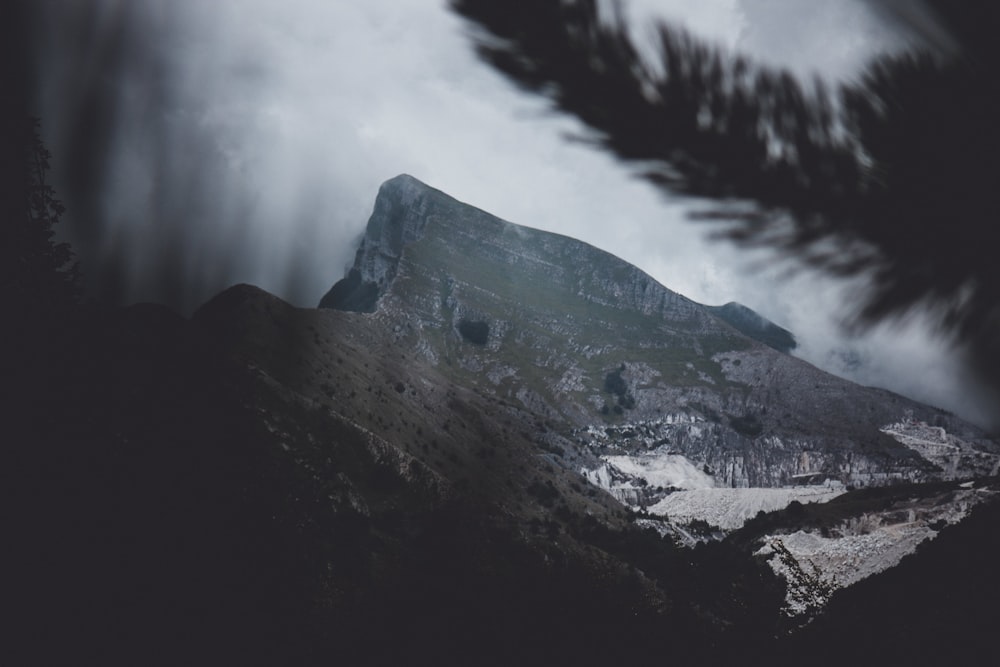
x: 244, y: 141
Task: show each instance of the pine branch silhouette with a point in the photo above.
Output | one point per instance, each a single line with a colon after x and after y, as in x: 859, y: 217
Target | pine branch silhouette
x: 889, y: 178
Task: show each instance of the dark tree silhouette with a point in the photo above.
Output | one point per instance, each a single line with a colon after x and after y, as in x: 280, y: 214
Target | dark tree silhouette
x: 888, y: 178
x: 39, y: 273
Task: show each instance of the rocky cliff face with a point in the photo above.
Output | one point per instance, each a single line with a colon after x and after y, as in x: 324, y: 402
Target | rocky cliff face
x: 460, y: 249
x: 402, y: 209
x: 596, y: 346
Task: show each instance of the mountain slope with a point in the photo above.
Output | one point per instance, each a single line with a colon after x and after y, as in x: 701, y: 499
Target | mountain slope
x: 188, y: 491
x: 589, y: 341
x: 481, y: 523
x: 267, y: 484
x: 691, y: 415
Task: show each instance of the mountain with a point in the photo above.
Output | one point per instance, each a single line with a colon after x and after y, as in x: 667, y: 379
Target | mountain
x: 493, y: 445
x: 677, y: 409
x: 588, y: 341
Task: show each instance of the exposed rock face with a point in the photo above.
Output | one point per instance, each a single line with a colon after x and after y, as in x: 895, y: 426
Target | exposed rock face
x: 623, y: 365
x: 402, y: 210
x: 735, y: 461
x: 459, y: 248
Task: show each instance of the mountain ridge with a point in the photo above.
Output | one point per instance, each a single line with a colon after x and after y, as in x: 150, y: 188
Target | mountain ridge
x: 560, y: 322
x: 405, y: 207
x: 378, y: 254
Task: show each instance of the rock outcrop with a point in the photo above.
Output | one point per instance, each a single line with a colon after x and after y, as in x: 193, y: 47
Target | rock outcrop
x: 754, y: 325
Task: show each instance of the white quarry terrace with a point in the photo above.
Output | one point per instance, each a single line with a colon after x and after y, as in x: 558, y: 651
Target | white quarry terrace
x: 662, y: 470
x: 956, y: 457
x: 815, y: 564
x: 671, y: 485
x: 729, y: 509
x: 696, y: 497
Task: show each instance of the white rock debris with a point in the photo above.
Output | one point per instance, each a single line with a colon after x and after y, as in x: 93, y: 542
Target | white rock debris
x: 816, y: 565
x: 729, y: 509
x: 667, y: 470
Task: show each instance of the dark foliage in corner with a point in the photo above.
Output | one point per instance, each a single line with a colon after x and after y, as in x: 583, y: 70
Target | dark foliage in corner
x: 37, y: 273
x: 892, y: 180
x: 39, y: 282
x: 474, y: 331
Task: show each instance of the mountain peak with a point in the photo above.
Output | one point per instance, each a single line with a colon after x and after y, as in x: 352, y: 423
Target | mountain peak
x: 404, y: 181
x: 451, y: 243
x: 397, y: 219
x: 405, y: 189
